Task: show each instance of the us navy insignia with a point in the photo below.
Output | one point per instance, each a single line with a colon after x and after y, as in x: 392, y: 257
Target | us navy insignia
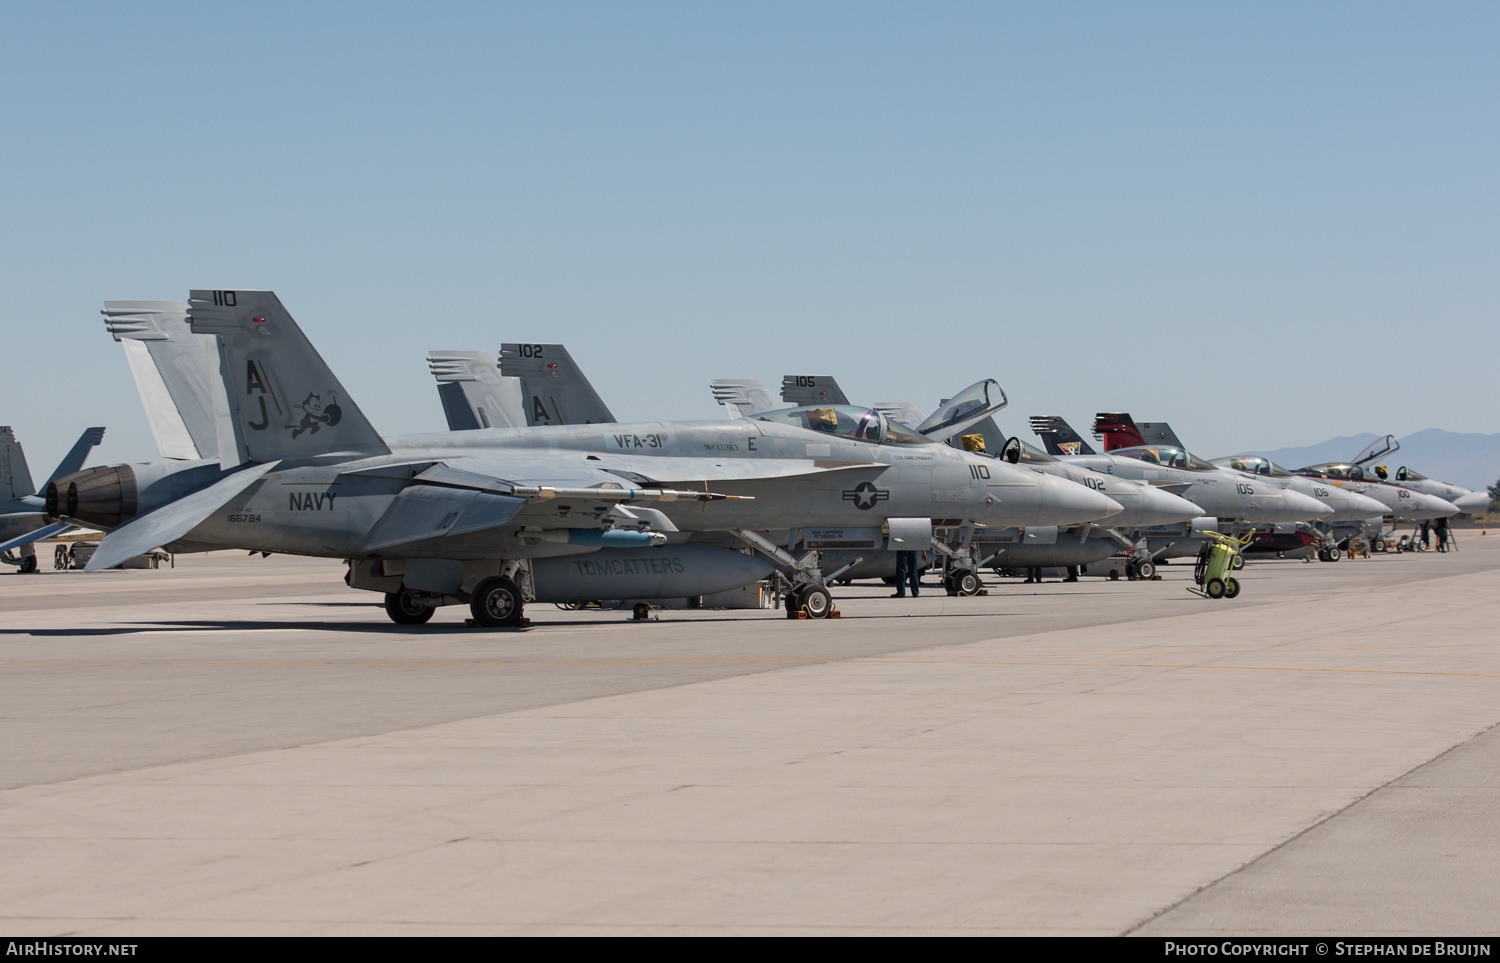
x: 865, y: 495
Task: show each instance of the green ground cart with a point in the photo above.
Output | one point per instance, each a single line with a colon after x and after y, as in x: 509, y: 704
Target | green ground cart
x: 1215, y: 560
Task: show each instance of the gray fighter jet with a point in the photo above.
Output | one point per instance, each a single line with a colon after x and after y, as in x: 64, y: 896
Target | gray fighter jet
x: 499, y: 516
x: 1461, y: 498
x: 23, y: 513
x: 1015, y: 548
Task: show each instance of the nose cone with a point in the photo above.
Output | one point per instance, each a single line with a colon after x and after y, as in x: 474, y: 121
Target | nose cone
x: 1064, y: 502
x: 1362, y: 507
x: 1154, y: 506
x: 1473, y: 502
x: 1303, y: 508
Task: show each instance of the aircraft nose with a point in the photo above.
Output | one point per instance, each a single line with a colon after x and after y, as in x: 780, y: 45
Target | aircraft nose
x: 1304, y: 507
x: 1442, y: 508
x: 1365, y: 506
x: 1066, y: 502
x: 1160, y: 507
x: 1473, y: 502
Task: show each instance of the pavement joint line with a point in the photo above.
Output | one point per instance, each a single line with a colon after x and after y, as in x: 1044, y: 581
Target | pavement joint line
x: 1304, y: 831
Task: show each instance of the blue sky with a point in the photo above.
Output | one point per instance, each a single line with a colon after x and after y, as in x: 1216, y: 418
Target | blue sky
x: 1269, y: 224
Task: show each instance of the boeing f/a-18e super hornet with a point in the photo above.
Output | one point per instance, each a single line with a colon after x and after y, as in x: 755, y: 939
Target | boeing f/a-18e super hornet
x: 23, y: 512
x: 1459, y: 497
x: 477, y: 515
x: 848, y: 553
x: 1009, y: 548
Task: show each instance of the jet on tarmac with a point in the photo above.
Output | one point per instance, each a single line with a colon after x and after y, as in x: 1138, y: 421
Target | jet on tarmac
x: 23, y: 513
x: 1461, y: 498
x: 481, y: 516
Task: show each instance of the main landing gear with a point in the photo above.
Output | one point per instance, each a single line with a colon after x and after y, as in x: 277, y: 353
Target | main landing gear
x: 497, y: 603
x: 407, y: 607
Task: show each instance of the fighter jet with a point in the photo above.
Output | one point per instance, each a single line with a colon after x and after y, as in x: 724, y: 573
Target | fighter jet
x: 1012, y: 548
x: 23, y: 514
x: 497, y: 517
x: 1461, y: 498
x: 1119, y: 430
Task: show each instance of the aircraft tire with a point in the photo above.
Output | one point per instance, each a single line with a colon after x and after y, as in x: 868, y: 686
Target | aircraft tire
x: 28, y: 565
x: 793, y: 601
x: 641, y: 611
x: 817, y: 602
x: 1238, y: 563
x: 404, y: 610
x: 497, y: 603
x: 1335, y: 553
x: 1322, y: 554
x: 1145, y: 570
x: 966, y: 583
x: 1231, y: 588
x: 1378, y: 545
x: 1215, y: 588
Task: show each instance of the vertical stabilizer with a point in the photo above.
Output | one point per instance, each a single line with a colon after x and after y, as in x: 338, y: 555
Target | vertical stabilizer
x: 555, y: 390
x: 281, y: 399
x: 474, y: 392
x: 1059, y: 437
x: 1159, y: 433
x: 743, y: 396
x: 15, y: 477
x: 1117, y: 430
x: 175, y: 374
x: 74, y: 459
x: 800, y: 390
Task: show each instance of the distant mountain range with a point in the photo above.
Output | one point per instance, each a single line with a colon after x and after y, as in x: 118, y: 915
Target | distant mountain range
x: 1470, y: 460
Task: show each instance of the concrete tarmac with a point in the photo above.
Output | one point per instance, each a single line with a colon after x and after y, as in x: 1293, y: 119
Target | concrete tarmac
x: 243, y: 745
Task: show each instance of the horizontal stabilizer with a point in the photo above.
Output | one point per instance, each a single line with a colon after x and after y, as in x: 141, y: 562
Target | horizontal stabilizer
x: 428, y: 511
x: 798, y: 390
x: 73, y: 460
x: 973, y: 404
x: 47, y: 531
x: 743, y: 396
x: 173, y: 520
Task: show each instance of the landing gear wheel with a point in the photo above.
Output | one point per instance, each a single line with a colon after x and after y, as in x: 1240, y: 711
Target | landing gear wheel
x: 1215, y: 588
x: 404, y: 609
x: 28, y: 565
x: 1145, y: 570
x: 793, y: 602
x: 949, y: 585
x: 641, y: 612
x: 816, y: 602
x: 966, y: 583
x: 497, y: 603
x: 1335, y: 553
x: 1237, y: 564
x: 1231, y: 588
x: 1323, y: 555
x: 1378, y: 545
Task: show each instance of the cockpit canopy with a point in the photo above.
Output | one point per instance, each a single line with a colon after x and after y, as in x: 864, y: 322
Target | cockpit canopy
x: 847, y: 421
x: 1033, y: 454
x: 1166, y: 456
x: 1254, y: 464
x: 1406, y: 474
x: 1335, y: 469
